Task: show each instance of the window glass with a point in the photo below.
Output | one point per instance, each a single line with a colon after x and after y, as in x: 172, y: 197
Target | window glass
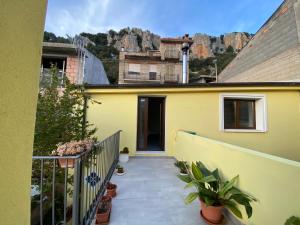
x: 246, y: 114
x: 229, y: 113
x: 239, y: 114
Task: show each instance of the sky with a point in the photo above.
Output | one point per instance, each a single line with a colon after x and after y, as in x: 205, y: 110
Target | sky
x: 167, y: 18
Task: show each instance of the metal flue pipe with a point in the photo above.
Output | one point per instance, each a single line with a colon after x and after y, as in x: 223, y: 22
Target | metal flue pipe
x: 185, y: 50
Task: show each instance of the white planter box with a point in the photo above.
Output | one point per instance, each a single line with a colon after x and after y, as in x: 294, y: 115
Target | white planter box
x: 123, y: 158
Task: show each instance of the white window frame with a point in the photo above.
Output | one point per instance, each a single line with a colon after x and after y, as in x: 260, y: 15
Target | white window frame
x: 260, y: 111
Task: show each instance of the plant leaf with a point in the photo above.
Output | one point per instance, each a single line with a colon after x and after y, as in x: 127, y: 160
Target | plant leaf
x: 208, y: 179
x: 228, y: 186
x: 189, y: 185
x: 243, y: 200
x: 203, y: 168
x: 185, y: 178
x: 233, y: 208
x: 196, y: 172
x: 191, y: 197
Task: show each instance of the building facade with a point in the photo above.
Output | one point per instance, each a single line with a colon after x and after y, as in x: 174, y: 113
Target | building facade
x: 240, y: 128
x: 273, y: 54
x: 74, y: 62
x: 154, y: 66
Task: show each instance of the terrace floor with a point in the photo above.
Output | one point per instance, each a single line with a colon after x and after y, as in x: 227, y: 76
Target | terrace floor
x: 151, y: 194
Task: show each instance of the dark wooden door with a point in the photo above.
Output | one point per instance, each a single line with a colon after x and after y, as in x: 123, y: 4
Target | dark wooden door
x: 142, y: 129
x: 144, y: 104
x: 162, y: 124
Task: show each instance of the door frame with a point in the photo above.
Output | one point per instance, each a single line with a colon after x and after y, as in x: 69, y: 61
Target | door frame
x: 163, y: 122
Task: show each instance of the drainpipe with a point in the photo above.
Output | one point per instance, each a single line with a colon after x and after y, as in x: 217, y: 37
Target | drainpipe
x: 185, y: 50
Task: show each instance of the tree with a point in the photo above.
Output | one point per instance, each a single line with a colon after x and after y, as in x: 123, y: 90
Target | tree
x: 108, y: 54
x: 60, y: 115
x: 51, y: 37
x: 230, y: 49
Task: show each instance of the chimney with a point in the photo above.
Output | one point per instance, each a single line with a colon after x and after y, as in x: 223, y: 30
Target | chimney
x: 185, y: 51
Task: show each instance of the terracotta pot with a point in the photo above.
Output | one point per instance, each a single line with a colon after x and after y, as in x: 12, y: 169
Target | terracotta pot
x: 212, y: 214
x: 63, y: 163
x: 106, y: 198
x: 103, y: 217
x: 111, y: 190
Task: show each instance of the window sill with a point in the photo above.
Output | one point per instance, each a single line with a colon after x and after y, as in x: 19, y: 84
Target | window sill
x: 243, y: 131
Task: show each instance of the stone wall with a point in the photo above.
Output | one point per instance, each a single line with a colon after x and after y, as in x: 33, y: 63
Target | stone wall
x: 273, y: 53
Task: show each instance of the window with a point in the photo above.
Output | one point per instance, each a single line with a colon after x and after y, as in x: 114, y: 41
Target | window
x: 239, y: 114
x: 134, y: 69
x: 152, y: 72
x: 243, y: 113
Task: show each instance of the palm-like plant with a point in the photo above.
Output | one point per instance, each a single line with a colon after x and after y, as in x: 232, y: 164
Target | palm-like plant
x: 213, y: 191
x: 182, y: 166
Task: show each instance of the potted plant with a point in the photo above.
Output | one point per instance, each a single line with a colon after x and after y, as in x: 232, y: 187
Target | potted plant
x: 103, y: 212
x: 182, y: 166
x: 71, y: 148
x: 215, y: 193
x: 120, y: 170
x: 293, y: 220
x: 124, y: 155
x: 106, y: 198
x: 111, y: 190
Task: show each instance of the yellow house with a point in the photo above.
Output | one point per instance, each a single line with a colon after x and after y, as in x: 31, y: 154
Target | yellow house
x: 21, y: 27
x: 250, y: 129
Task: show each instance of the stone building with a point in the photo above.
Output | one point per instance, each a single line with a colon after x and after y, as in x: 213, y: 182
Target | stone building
x: 78, y: 64
x: 154, y: 66
x: 273, y: 54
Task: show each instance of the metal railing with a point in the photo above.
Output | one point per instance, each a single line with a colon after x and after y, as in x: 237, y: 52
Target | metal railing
x: 70, y: 194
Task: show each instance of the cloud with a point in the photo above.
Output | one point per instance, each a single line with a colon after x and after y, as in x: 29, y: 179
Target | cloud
x: 88, y: 16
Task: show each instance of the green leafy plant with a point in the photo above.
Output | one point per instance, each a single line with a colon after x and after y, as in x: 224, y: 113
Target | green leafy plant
x: 60, y: 116
x: 293, y: 220
x: 214, y: 191
x: 182, y: 166
x: 125, y: 151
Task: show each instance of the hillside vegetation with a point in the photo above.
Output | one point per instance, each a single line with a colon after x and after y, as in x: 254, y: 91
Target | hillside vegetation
x: 108, y: 45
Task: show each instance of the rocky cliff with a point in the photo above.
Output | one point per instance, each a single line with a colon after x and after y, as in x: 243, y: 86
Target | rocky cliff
x: 207, y: 46
x: 134, y: 39
x: 204, y: 46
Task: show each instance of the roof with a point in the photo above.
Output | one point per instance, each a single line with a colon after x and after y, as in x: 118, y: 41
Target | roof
x: 272, y: 53
x: 196, y: 85
x: 59, y: 48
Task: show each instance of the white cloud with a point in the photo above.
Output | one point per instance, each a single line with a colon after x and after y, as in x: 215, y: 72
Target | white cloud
x: 88, y: 17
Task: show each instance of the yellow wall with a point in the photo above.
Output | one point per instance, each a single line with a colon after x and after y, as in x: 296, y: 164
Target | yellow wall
x: 198, y: 110
x: 272, y: 180
x: 21, y: 28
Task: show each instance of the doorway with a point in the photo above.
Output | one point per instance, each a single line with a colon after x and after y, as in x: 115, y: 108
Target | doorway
x: 151, y: 124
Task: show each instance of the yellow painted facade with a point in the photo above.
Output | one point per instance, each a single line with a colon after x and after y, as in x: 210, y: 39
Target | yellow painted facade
x: 21, y: 28
x: 197, y: 109
x: 272, y: 180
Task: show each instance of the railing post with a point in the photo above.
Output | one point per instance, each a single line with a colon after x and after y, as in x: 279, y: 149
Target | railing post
x: 76, y: 191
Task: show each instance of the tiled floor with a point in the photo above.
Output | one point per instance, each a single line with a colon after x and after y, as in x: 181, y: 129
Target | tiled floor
x: 151, y: 194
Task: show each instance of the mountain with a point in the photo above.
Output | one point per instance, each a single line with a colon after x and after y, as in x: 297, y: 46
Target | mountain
x: 134, y: 39
x: 204, y: 50
x: 204, y: 45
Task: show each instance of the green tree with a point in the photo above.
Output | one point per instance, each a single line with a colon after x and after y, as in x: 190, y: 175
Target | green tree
x: 60, y: 115
x: 108, y: 54
x: 51, y: 37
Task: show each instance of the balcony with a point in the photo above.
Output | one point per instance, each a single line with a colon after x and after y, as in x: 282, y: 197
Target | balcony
x: 69, y: 194
x: 142, y: 77
x: 151, y: 77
